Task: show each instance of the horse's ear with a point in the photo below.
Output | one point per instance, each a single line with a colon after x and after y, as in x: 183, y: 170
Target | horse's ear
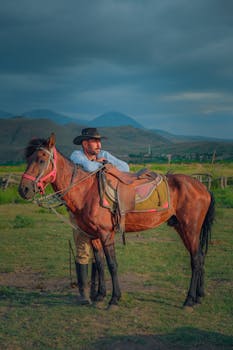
x: 51, y: 141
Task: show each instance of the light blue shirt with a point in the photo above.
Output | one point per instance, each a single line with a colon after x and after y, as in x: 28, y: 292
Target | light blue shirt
x: 79, y: 157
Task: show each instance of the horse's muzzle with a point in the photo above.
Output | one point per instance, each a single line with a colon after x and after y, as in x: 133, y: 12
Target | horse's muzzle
x: 26, y: 191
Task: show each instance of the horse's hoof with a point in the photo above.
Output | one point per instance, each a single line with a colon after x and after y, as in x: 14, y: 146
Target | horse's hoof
x: 189, y: 302
x: 82, y: 300
x: 113, y: 307
x: 188, y: 309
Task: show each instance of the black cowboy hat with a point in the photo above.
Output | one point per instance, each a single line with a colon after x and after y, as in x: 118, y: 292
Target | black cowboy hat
x: 87, y: 134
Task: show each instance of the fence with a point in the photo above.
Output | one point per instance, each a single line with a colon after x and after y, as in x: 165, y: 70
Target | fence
x: 9, y: 180
x: 209, y: 181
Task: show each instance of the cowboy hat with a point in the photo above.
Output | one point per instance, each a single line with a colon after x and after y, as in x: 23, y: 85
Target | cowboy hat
x: 87, y: 134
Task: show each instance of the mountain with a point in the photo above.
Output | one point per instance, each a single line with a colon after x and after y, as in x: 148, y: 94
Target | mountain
x: 109, y: 119
x: 112, y: 119
x: 48, y: 114
x: 16, y: 132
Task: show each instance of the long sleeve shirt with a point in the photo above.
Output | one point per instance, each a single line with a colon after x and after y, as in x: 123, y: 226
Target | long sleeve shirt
x: 79, y: 157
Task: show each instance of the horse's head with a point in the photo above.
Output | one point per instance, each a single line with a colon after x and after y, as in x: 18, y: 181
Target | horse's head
x: 41, y: 167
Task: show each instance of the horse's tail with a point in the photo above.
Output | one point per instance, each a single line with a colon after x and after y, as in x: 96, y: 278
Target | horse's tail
x: 205, y: 236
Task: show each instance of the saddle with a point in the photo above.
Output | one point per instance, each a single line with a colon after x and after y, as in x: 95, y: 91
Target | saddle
x: 124, y: 192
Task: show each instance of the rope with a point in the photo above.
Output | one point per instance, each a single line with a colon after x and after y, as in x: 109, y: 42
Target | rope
x: 61, y: 193
x: 71, y: 254
x: 67, y: 221
x: 64, y: 219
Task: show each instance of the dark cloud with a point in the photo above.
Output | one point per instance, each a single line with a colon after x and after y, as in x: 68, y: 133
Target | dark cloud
x: 155, y: 61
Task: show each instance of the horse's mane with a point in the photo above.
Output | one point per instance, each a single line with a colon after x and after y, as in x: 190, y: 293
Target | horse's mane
x: 33, y: 145
x: 36, y: 143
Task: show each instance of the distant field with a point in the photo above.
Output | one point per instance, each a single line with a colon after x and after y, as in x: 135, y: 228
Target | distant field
x: 217, y: 169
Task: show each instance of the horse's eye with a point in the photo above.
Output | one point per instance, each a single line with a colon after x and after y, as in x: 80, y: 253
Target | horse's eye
x: 41, y: 161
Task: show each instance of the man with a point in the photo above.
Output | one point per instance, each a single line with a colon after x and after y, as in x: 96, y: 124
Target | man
x: 91, y: 157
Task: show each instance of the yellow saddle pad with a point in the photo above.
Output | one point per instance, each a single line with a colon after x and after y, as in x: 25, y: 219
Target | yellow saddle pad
x: 157, y: 199
x: 149, y: 196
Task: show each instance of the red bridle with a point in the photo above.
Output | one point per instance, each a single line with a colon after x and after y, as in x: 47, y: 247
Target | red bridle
x: 40, y: 179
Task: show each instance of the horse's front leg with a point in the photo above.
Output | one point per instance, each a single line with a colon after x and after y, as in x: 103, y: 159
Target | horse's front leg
x: 98, y: 294
x: 110, y: 255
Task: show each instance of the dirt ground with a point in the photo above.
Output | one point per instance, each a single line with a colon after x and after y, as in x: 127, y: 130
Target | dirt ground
x: 35, y: 281
x: 31, y: 281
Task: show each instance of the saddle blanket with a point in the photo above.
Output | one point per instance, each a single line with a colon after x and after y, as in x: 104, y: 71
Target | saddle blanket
x: 150, y: 196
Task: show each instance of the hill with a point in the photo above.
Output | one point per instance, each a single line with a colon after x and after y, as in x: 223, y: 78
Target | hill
x: 109, y: 119
x: 16, y: 132
x: 187, y: 138
x: 112, y: 119
x: 58, y: 118
x: 126, y: 142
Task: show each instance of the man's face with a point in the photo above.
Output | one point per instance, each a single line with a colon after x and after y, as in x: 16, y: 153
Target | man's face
x: 92, y: 146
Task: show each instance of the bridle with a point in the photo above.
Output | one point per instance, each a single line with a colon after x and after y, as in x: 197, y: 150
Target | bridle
x: 40, y: 179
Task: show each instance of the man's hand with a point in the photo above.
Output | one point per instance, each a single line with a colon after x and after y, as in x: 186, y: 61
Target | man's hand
x: 102, y: 160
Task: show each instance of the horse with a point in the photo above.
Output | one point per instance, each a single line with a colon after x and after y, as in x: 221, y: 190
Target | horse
x: 190, y: 213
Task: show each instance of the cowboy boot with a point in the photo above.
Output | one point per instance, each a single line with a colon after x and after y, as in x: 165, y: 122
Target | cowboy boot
x: 82, y: 271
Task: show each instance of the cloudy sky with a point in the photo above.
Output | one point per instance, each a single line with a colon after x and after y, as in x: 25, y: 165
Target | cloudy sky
x: 166, y: 63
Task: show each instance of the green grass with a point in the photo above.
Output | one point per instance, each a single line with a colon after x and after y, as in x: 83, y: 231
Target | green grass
x: 154, y: 274
x: 10, y: 195
x: 38, y: 307
x: 224, y: 197
x: 216, y: 169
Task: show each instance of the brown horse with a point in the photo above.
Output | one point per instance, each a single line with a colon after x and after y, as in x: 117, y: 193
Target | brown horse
x: 191, y: 211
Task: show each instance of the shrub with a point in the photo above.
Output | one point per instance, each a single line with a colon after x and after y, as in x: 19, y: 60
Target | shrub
x: 10, y: 195
x: 224, y: 197
x: 22, y: 221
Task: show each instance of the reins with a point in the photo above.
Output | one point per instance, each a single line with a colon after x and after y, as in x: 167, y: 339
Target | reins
x: 59, y: 194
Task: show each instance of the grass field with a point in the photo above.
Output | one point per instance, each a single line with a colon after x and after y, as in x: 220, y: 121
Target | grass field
x: 38, y: 308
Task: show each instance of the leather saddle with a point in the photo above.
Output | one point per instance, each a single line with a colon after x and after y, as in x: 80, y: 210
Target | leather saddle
x: 124, y: 190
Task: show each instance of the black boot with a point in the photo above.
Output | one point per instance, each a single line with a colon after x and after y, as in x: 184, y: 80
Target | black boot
x: 82, y: 271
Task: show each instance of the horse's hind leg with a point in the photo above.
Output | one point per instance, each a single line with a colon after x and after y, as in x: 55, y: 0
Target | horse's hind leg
x: 196, y: 289
x: 200, y: 282
x: 191, y: 238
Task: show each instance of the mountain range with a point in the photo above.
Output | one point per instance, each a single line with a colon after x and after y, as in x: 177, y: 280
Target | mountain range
x: 126, y: 137
x: 108, y: 119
